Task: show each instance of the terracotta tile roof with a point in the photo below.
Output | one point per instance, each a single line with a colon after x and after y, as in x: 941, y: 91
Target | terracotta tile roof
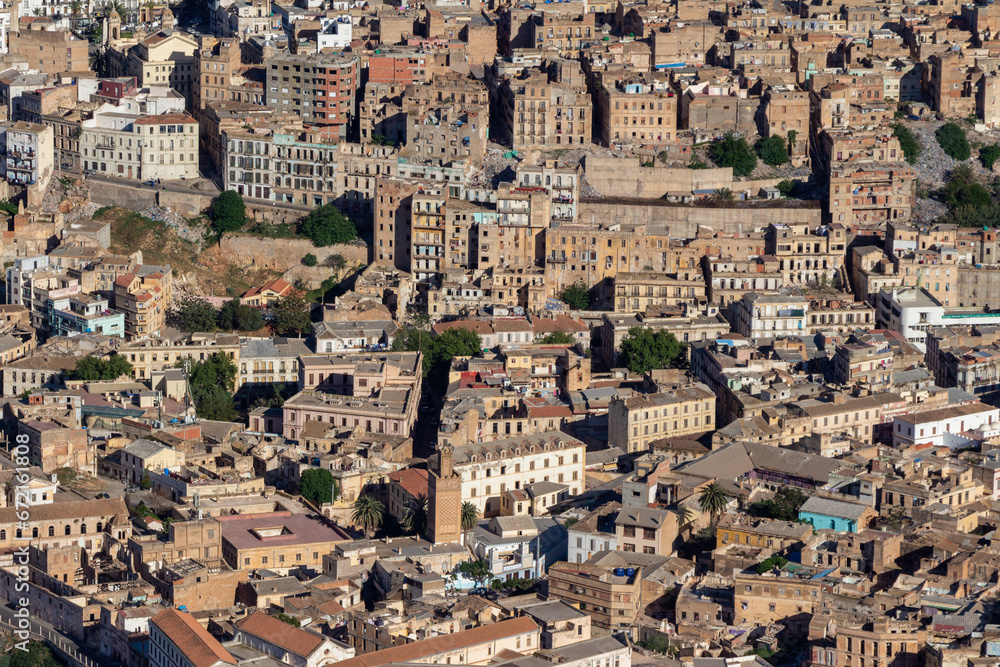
x: 294, y: 640
x: 165, y: 118
x: 444, y: 643
x: 412, y: 480
x: 105, y: 507
x: 125, y: 281
x: 478, y: 326
x: 199, y: 647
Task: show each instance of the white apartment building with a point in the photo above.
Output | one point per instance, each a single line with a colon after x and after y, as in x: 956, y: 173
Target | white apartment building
x: 124, y: 145
x: 334, y: 33
x: 946, y: 427
x: 28, y: 153
x: 490, y: 468
x: 912, y: 311
x: 781, y: 313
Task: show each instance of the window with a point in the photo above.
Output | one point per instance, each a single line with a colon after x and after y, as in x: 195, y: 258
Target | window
x: 628, y: 531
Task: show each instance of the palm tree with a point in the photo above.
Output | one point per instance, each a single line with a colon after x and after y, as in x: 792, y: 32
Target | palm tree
x: 963, y: 173
x: 75, y: 7
x: 723, y: 194
x: 368, y: 513
x: 415, y: 515
x: 470, y: 517
x: 713, y: 499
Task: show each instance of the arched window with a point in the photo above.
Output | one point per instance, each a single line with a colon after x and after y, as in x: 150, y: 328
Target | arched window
x: 99, y: 527
x: 3, y: 534
x: 52, y: 531
x: 17, y: 535
x: 83, y: 529
x: 66, y: 532
x: 34, y: 531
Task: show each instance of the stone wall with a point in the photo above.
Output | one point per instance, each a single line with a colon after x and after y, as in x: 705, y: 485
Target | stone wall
x: 103, y: 193
x: 259, y: 252
x: 625, y: 177
x: 684, y: 221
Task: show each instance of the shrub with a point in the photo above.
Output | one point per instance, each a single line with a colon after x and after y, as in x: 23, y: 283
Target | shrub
x: 577, y: 296
x: 988, y: 155
x: 908, y: 142
x: 787, y: 187
x: 951, y: 138
x: 326, y: 225
x: 228, y: 212
x: 309, y: 260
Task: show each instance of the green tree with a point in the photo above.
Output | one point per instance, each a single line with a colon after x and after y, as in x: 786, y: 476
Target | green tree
x: 236, y: 315
x: 470, y: 517
x: 576, y: 296
x: 988, y: 155
x: 37, y: 655
x: 316, y: 484
x: 94, y: 369
x: 335, y: 262
x: 951, y: 138
x: 415, y: 515
x: 291, y: 620
x: 769, y: 564
x: 326, y: 225
x: 733, y: 151
x: 908, y: 142
x: 292, y: 316
x: 723, y: 195
x: 368, y: 513
x: 211, y: 384
x: 193, y: 314
x: 558, y: 338
x: 787, y: 187
x: 713, y: 499
x: 772, y: 150
x: 146, y: 483
x: 784, y: 506
x: 309, y: 259
x: 228, y: 212
x: 478, y: 570
x: 963, y: 189
x: 645, y: 350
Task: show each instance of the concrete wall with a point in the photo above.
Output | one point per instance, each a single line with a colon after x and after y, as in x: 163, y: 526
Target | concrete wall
x: 684, y: 221
x: 103, y: 193
x: 625, y: 177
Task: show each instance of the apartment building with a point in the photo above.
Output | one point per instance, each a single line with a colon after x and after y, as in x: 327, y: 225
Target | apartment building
x: 447, y: 134
x: 807, y: 255
x: 538, y: 113
x: 881, y: 641
x: 641, y: 291
x: 791, y: 598
x: 294, y: 541
x: 647, y: 530
x: 83, y: 313
x: 27, y: 153
x: 639, y: 108
x: 165, y: 57
x: 611, y: 594
x: 634, y: 424
x: 863, y: 363
x: 728, y: 278
x: 177, y: 639
x: 153, y: 356
x: 144, y: 297
x: 320, y: 88
x: 301, y: 164
x: 141, y: 148
x: 871, y: 192
x: 489, y: 469
x: 46, y: 49
x: 758, y: 315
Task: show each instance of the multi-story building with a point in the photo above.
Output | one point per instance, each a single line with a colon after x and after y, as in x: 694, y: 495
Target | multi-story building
x: 154, y: 355
x: 295, y: 540
x: 881, y: 642
x: 144, y: 297
x: 83, y: 313
x: 868, y: 364
x: 320, y: 88
x: 166, y: 57
x: 46, y: 50
x: 141, y: 147
x: 727, y: 279
x: 871, y: 192
x: 538, y: 113
x: 642, y: 291
x: 177, y: 639
x: 446, y: 134
x: 610, y: 593
x: 639, y: 109
x: 489, y: 469
x: 807, y: 256
x: 635, y: 423
x: 759, y: 315
x: 27, y: 153
x: 52, y: 445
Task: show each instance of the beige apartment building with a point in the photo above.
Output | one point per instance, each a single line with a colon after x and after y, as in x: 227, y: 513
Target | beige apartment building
x: 640, y: 291
x: 635, y: 423
x: 141, y: 147
x: 489, y: 469
x: 639, y: 108
x: 151, y: 356
x: 611, y: 600
x: 144, y: 298
x: 166, y: 57
x: 538, y: 113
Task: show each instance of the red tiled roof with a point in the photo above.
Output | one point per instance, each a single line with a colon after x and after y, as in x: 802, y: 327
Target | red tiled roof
x: 166, y: 118
x: 478, y: 326
x: 545, y: 411
x: 412, y: 480
x: 546, y: 325
x: 294, y: 640
x: 444, y: 643
x: 199, y: 647
x: 125, y: 281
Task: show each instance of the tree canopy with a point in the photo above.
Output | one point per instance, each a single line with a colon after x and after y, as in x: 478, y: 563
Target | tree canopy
x: 228, y: 212
x: 577, y: 296
x: 212, y: 383
x: 193, y: 314
x: 784, y: 506
x: 963, y: 189
x: 644, y: 350
x: 439, y: 350
x: 907, y: 142
x: 93, y: 369
x: 238, y: 316
x: 733, y: 151
x: 292, y: 316
x: 951, y: 138
x: 326, y: 225
x: 558, y: 338
x: 317, y: 485
x: 772, y: 150
x: 988, y: 155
